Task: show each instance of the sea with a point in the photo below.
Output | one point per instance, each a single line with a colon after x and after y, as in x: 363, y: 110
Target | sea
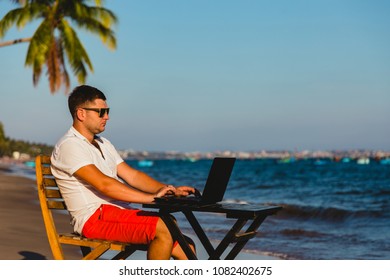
x: 331, y: 210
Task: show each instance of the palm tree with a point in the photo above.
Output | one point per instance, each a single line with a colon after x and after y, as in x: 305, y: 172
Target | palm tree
x: 55, y: 39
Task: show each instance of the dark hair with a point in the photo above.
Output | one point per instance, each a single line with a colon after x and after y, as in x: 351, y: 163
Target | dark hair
x: 81, y: 95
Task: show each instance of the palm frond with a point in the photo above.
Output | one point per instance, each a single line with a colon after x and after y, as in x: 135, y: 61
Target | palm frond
x: 107, y: 36
x: 99, y: 2
x: 53, y: 64
x: 96, y: 20
x: 20, y: 2
x: 56, y: 68
x: 37, y: 70
x: 30, y: 13
x: 38, y: 49
x: 75, y: 51
x: 20, y: 17
x: 10, y: 19
x: 64, y: 74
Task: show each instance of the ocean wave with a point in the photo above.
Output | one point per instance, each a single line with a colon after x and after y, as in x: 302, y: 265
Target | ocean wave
x: 236, y: 201
x: 266, y: 253
x: 374, y: 192
x: 331, y: 214
x: 302, y: 233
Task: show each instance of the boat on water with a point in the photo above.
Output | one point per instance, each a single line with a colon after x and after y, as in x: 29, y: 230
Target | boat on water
x: 363, y: 161
x: 145, y: 163
x: 385, y: 161
x: 320, y: 162
x: 30, y: 164
x: 287, y: 160
x: 346, y: 160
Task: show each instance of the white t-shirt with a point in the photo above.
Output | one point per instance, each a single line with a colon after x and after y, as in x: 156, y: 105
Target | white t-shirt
x: 72, y: 152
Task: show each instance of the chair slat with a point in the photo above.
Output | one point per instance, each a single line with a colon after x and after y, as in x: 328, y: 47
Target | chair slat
x: 45, y: 159
x: 56, y: 204
x: 49, y: 182
x: 53, y: 193
x: 46, y: 170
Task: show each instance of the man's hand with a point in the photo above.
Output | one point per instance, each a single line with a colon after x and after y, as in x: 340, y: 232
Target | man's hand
x: 184, y: 191
x: 166, y: 190
x: 178, y: 191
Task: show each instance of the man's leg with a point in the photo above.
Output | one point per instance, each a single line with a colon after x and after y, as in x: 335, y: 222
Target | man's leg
x: 178, y: 253
x: 161, y: 248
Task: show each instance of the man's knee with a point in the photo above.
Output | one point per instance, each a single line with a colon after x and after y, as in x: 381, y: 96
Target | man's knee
x: 162, y: 230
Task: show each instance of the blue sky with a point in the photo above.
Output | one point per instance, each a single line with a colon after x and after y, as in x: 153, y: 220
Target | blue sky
x: 201, y: 75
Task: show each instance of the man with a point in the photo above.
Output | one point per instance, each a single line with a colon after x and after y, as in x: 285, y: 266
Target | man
x: 97, y: 185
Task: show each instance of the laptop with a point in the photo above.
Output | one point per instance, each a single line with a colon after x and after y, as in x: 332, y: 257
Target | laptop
x: 215, y: 186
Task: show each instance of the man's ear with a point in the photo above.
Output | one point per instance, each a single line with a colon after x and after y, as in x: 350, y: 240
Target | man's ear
x: 80, y: 114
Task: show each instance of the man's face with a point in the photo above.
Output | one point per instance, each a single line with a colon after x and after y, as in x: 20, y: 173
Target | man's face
x: 93, y: 121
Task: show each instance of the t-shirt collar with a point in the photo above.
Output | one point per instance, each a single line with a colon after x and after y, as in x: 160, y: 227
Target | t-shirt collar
x: 79, y: 135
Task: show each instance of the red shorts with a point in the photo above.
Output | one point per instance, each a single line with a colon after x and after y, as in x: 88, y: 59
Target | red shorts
x: 110, y: 222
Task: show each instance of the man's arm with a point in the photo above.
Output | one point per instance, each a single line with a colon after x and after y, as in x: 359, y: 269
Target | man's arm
x: 117, y: 190
x: 138, y: 179
x: 145, y: 183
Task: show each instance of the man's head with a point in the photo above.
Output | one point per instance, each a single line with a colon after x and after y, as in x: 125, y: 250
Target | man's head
x: 82, y: 97
x: 89, y: 110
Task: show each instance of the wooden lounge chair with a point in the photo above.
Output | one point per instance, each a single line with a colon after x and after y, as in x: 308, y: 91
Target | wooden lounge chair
x: 51, y: 199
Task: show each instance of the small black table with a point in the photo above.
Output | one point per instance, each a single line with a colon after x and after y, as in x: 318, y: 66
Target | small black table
x: 242, y: 213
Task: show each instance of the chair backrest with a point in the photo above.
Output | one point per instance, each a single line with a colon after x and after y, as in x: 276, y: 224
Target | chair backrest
x: 50, y: 198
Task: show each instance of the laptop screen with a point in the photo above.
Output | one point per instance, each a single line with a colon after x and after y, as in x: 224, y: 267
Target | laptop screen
x: 218, y: 179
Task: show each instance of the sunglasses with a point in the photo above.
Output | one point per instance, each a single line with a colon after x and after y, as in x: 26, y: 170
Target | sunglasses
x: 100, y: 111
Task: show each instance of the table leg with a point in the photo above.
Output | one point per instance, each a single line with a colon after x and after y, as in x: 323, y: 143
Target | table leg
x: 177, y: 235
x: 199, y: 232
x: 250, y: 232
x: 228, y: 239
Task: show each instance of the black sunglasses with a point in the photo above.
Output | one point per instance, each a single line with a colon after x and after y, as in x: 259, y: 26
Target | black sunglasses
x: 100, y: 111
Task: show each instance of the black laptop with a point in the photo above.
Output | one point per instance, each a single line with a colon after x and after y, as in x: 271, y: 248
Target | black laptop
x: 215, y: 186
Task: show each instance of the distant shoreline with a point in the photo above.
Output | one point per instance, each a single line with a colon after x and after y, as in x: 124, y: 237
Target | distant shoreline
x: 129, y: 154
x: 334, y: 155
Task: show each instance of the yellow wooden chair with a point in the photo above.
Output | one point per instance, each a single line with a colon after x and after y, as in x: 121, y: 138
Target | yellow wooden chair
x: 51, y: 199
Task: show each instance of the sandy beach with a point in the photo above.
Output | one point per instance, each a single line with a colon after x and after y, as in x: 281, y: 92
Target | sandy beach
x: 23, y: 235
